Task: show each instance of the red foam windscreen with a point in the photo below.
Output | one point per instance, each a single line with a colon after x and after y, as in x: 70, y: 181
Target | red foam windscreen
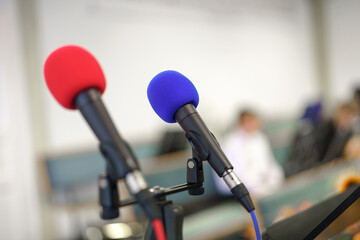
x: 69, y: 70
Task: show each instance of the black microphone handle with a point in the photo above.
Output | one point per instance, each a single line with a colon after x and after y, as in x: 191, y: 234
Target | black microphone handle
x: 204, y: 143
x: 115, y: 149
x: 95, y: 113
x: 201, y: 139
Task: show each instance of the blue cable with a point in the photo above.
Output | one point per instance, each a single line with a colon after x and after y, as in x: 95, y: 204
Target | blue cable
x: 256, y: 225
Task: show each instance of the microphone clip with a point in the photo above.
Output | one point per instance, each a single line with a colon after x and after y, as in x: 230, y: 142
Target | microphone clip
x: 195, y: 174
x: 108, y: 197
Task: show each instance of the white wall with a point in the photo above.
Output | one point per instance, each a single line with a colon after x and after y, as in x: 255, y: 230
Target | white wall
x: 237, y: 53
x: 19, y: 206
x: 342, y: 27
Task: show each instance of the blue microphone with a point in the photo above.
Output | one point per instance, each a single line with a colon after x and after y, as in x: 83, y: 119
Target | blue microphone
x: 174, y: 98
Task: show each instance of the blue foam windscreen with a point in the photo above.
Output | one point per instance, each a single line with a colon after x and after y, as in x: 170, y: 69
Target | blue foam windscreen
x: 168, y: 91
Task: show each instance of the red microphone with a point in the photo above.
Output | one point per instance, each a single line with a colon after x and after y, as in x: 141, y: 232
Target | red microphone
x: 76, y: 80
x: 69, y: 70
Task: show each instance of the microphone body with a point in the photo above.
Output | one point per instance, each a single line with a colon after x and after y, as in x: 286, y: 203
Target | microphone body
x: 121, y: 159
x: 201, y: 139
x: 204, y: 143
x: 96, y: 115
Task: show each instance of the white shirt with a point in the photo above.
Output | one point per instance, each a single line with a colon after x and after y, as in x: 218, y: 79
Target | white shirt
x: 253, y: 162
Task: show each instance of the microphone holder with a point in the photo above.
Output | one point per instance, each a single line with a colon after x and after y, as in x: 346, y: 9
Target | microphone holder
x: 172, y: 214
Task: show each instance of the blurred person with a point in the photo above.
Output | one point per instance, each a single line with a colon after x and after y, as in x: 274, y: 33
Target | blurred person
x: 323, y: 142
x: 356, y: 101
x: 343, y: 130
x: 250, y: 153
x: 356, y: 96
x: 352, y: 148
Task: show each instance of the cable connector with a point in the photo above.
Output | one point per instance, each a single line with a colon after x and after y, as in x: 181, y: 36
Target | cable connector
x: 238, y: 189
x: 135, y: 182
x: 242, y: 195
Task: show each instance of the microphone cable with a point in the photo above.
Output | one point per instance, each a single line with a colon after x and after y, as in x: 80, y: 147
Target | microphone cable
x: 256, y: 225
x: 158, y: 227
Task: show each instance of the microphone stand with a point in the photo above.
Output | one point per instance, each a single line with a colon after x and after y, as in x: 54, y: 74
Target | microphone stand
x: 172, y: 214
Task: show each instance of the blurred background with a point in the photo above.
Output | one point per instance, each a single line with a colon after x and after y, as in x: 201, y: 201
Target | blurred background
x: 277, y: 57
